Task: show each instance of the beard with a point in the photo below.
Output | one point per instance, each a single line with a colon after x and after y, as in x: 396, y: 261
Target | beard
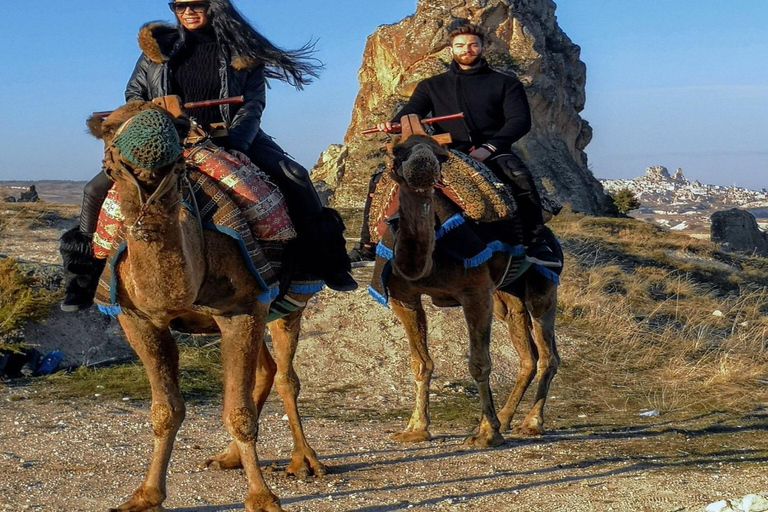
x: 467, y: 60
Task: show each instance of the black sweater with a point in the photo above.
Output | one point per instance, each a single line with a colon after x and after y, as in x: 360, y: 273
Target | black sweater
x: 495, y: 106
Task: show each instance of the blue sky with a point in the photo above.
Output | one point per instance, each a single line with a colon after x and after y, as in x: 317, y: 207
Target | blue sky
x: 679, y: 83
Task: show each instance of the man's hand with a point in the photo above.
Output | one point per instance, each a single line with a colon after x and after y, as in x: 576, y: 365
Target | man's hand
x: 480, y: 154
x: 385, y: 127
x: 240, y: 156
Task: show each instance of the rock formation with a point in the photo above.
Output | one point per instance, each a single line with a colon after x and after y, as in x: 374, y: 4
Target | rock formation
x: 738, y: 231
x: 524, y: 41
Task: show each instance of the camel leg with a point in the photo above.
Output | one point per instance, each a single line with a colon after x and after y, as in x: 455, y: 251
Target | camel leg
x: 265, y: 373
x: 242, y: 338
x: 478, y: 313
x: 415, y: 322
x: 541, y: 305
x: 512, y: 311
x: 160, y: 355
x: 285, y: 339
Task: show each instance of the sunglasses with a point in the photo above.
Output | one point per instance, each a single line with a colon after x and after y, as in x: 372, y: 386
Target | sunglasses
x: 180, y: 7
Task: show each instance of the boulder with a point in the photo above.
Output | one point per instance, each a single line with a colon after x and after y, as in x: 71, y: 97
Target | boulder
x: 737, y: 230
x: 524, y: 41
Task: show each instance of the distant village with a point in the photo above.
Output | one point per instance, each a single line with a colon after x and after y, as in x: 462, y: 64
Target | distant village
x: 673, y: 201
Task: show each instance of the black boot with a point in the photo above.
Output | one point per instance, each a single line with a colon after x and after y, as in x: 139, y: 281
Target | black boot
x: 512, y: 171
x: 326, y: 254
x: 361, y: 253
x: 76, y: 251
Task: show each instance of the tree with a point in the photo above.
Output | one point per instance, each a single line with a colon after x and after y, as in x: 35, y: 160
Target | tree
x: 625, y: 201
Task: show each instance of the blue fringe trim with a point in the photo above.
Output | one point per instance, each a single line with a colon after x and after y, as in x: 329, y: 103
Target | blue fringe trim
x: 306, y: 288
x: 479, y: 258
x: 379, y: 297
x: 384, y: 252
x: 110, y: 310
x: 547, y: 273
x: 268, y: 296
x: 490, y: 249
x: 452, y: 223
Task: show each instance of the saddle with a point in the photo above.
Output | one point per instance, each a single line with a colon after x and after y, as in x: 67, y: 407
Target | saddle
x: 228, y: 196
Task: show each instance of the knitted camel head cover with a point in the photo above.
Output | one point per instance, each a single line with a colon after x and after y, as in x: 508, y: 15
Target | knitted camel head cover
x: 149, y: 140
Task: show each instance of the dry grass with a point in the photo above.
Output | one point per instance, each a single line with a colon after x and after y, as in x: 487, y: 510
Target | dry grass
x: 664, y: 321
x: 21, y: 301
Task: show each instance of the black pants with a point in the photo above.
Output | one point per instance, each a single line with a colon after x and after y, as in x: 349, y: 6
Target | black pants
x: 511, y: 170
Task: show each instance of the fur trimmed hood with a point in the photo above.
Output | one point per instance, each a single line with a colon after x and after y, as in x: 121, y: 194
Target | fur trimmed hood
x: 159, y: 41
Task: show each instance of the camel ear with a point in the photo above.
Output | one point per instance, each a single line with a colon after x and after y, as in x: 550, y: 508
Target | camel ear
x: 95, y: 126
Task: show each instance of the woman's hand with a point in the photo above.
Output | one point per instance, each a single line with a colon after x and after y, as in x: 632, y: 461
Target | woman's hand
x: 480, y: 154
x: 240, y: 156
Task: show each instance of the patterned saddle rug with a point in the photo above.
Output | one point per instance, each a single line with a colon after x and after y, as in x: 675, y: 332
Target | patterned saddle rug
x: 232, y: 198
x: 475, y: 219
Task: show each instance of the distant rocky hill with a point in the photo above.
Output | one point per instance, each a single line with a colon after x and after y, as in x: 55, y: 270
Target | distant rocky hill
x: 674, y: 201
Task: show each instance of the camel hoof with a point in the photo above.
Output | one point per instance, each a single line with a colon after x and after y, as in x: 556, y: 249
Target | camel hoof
x: 228, y: 459
x: 411, y: 436
x: 485, y: 440
x: 529, y: 430
x: 263, y: 503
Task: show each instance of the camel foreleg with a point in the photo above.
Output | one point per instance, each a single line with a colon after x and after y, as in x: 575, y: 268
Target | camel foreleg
x: 159, y: 353
x: 415, y: 322
x: 265, y: 373
x: 478, y: 313
x: 242, y: 338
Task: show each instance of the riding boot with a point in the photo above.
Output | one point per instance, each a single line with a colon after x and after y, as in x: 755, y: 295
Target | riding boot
x: 322, y: 237
x: 365, y: 250
x: 320, y: 230
x: 512, y: 171
x: 76, y: 251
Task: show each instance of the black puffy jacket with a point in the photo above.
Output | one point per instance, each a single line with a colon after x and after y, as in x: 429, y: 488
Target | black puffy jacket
x: 160, y: 43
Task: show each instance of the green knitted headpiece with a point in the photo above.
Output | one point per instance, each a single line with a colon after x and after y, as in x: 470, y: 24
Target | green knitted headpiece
x: 149, y: 140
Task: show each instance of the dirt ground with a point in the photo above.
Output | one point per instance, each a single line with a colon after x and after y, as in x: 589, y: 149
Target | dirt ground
x: 89, y: 454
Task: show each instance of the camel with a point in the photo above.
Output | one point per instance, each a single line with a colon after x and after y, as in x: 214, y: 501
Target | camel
x: 174, y: 271
x: 527, y: 306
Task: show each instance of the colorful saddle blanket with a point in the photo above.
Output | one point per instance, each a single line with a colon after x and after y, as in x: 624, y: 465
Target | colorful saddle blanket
x: 465, y: 240
x: 469, y: 184
x: 235, y: 199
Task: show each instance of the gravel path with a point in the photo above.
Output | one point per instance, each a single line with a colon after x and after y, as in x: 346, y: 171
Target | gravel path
x: 89, y: 455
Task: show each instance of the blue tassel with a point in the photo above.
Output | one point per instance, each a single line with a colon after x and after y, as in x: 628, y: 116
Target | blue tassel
x: 384, y: 252
x: 379, y: 297
x: 452, y: 223
x: 112, y: 310
x: 547, y: 273
x: 478, y: 259
x: 306, y: 288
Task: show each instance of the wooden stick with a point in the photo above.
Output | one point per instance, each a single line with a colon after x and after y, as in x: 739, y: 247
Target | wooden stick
x: 396, y: 126
x: 193, y: 104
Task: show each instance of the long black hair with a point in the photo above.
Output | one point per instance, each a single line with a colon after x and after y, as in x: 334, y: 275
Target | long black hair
x: 296, y: 67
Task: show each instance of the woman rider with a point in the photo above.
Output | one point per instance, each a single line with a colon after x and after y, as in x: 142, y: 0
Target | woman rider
x: 213, y: 52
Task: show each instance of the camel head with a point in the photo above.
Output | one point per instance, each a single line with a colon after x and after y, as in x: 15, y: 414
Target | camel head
x: 142, y: 142
x: 417, y: 170
x: 143, y: 155
x: 417, y: 162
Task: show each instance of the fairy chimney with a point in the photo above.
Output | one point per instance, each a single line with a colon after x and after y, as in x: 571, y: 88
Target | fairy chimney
x: 525, y: 41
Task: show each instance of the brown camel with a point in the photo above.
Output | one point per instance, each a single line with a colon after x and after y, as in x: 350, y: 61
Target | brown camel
x: 527, y: 306
x: 172, y: 271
